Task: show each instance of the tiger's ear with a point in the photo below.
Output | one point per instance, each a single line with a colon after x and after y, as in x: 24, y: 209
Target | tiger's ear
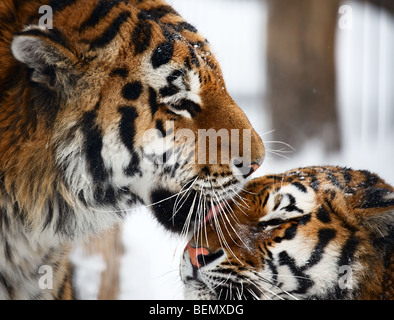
x: 377, y: 211
x: 47, y: 54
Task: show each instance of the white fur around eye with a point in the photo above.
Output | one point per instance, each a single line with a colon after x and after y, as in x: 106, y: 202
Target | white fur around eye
x: 188, y: 84
x: 183, y: 113
x: 304, y: 201
x: 189, y: 89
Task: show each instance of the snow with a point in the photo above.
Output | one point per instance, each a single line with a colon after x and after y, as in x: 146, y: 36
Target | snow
x: 150, y: 265
x: 366, y: 105
x: 234, y: 30
x: 88, y: 274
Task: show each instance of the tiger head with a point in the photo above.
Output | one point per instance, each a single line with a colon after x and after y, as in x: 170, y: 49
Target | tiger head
x: 312, y: 233
x: 122, y: 99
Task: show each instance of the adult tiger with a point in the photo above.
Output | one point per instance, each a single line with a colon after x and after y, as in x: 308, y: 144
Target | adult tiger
x: 310, y: 233
x: 76, y: 102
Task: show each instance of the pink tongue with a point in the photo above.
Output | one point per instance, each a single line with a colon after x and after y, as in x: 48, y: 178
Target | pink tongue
x: 215, y: 211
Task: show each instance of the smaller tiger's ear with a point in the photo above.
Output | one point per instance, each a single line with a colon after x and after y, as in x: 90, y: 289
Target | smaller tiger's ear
x: 377, y: 211
x: 46, y: 53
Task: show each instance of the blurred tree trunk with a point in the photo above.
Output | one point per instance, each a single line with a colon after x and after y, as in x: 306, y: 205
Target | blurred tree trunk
x: 386, y: 4
x: 301, y: 71
x: 109, y: 247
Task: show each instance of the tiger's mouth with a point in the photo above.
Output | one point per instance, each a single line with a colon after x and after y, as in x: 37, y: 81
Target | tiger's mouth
x: 187, y: 213
x: 215, y: 210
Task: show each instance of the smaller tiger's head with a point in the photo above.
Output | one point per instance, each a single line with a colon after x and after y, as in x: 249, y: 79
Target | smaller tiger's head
x: 312, y: 233
x: 132, y: 107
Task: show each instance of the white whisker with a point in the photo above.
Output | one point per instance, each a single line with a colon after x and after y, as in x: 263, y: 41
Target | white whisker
x: 217, y: 223
x: 259, y: 276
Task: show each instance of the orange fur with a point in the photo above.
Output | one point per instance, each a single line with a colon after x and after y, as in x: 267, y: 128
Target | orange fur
x: 346, y: 215
x: 75, y: 104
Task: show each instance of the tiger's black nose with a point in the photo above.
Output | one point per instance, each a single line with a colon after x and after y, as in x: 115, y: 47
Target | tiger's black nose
x: 246, y: 170
x: 253, y: 167
x: 200, y: 256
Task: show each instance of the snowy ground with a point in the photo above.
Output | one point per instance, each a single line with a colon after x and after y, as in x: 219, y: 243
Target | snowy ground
x: 235, y: 30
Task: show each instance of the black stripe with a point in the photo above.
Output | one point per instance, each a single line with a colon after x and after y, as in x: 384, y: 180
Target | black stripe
x: 273, y: 269
x: 49, y: 217
x: 347, y: 175
x: 66, y: 214
x: 304, y: 281
x: 127, y: 134
x: 206, y: 259
x: 2, y: 182
x: 271, y: 222
x: 62, y: 288
x: 160, y: 127
x: 348, y: 251
x: 303, y: 220
x: 93, y: 146
x: 102, y: 9
x: 132, y: 90
x: 67, y: 280
x: 182, y: 26
x: 175, y: 75
x: 276, y: 178
x: 7, y: 251
x: 121, y: 72
x: 324, y: 236
x: 81, y: 197
x: 156, y: 14
x: 19, y: 213
x: 188, y: 105
x: 264, y: 202
x: 105, y: 195
x: 58, y: 5
x: 127, y: 126
x: 300, y: 186
x: 166, y: 155
x: 323, y: 215
x: 376, y: 198
x: 194, y: 60
x: 154, y: 106
x: 315, y: 183
x: 111, y: 32
x: 141, y: 36
x: 334, y: 180
x: 169, y: 91
x: 290, y: 233
x: 371, y: 179
x: 291, y: 207
x: 163, y: 54
x: 189, y: 66
x: 4, y: 220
